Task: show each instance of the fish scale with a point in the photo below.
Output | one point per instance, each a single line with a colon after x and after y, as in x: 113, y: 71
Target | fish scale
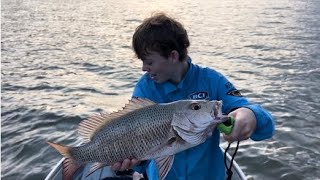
x: 119, y: 146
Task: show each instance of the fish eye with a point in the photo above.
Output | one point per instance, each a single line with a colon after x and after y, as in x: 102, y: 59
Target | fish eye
x: 195, y: 106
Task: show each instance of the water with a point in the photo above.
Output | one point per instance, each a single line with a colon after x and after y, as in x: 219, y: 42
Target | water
x: 62, y: 61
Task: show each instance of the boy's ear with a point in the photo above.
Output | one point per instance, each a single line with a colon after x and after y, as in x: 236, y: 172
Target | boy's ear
x: 174, y: 56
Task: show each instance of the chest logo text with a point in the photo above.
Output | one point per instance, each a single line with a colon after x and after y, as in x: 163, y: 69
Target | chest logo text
x: 199, y: 95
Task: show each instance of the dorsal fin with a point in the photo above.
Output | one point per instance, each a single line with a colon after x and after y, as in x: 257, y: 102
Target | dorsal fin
x: 88, y: 128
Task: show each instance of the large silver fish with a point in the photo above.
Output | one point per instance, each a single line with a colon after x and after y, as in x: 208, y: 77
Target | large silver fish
x: 142, y: 130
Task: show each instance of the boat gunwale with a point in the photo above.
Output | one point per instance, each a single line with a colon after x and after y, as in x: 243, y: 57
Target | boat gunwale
x: 235, y: 167
x: 55, y: 170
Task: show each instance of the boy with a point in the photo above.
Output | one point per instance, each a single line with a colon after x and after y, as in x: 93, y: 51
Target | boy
x: 161, y: 43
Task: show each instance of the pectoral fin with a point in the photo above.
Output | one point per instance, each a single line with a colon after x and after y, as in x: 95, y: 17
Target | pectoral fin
x: 164, y: 165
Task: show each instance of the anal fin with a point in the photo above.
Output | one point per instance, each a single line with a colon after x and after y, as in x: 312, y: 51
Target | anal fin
x: 95, y: 166
x: 69, y: 167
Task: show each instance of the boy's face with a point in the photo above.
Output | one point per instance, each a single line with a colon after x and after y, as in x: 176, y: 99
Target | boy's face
x: 160, y: 69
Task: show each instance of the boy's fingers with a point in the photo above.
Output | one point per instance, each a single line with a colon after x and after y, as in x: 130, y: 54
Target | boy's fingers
x: 134, y: 162
x: 125, y: 165
x: 116, y: 166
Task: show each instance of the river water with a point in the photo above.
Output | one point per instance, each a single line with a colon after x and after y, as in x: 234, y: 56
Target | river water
x: 62, y: 61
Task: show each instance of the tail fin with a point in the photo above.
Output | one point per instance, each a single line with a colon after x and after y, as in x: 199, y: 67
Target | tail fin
x: 63, y: 150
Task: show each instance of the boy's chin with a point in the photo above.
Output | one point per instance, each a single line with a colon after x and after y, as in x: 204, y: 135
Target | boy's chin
x: 159, y: 81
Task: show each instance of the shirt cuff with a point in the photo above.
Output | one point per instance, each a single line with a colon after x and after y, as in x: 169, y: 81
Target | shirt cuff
x: 265, y: 123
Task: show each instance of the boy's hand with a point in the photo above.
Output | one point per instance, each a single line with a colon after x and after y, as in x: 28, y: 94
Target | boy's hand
x: 125, y: 164
x: 244, y: 125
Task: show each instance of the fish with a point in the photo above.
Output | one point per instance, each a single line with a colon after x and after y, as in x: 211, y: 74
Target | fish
x: 143, y: 130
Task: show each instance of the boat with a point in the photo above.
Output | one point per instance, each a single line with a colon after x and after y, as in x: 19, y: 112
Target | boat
x: 105, y: 172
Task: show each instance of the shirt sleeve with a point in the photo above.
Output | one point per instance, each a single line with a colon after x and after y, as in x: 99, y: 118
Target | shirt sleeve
x: 232, y: 99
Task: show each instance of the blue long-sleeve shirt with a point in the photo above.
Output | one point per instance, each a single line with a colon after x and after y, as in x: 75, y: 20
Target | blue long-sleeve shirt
x: 204, y: 161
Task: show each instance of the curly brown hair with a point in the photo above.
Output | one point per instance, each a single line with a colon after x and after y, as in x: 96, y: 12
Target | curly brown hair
x: 161, y: 34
